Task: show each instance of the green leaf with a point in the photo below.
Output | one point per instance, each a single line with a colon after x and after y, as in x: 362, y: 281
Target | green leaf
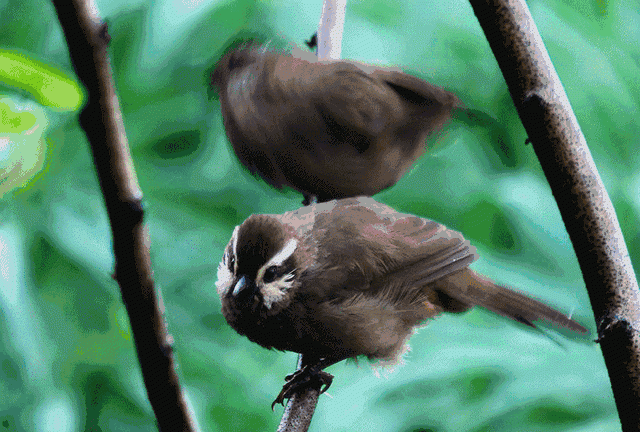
x: 49, y: 85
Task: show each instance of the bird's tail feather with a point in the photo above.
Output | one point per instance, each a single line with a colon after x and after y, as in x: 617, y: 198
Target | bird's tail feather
x: 470, y: 288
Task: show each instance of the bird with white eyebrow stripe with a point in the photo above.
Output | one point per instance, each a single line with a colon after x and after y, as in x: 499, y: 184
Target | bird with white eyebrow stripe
x: 353, y: 277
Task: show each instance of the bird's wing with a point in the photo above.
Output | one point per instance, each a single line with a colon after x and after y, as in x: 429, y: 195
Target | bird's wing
x: 355, y: 105
x: 411, y: 88
x: 431, y: 105
x: 373, y: 242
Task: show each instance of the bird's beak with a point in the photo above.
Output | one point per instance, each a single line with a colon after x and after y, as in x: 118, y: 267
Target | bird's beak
x: 244, y: 290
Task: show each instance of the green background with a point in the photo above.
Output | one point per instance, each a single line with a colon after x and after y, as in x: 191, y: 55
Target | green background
x: 67, y: 361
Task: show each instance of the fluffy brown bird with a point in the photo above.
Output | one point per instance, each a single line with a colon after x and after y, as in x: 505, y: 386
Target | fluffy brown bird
x: 330, y: 129
x: 353, y: 277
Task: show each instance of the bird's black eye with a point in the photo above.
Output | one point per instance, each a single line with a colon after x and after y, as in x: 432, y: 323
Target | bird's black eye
x: 238, y: 60
x: 270, y: 274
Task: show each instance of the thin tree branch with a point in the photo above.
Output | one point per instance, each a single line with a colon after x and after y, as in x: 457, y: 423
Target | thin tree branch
x: 101, y: 120
x: 330, y: 29
x: 299, y: 409
x: 576, y: 185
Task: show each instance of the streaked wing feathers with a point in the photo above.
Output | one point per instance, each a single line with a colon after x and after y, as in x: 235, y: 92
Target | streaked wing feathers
x: 386, y: 244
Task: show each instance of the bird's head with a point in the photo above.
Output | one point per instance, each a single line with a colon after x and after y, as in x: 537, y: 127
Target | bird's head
x: 259, y: 271
x: 238, y: 59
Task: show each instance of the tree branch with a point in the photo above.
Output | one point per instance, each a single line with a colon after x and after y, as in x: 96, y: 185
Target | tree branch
x: 330, y: 29
x: 576, y: 185
x: 299, y: 409
x: 101, y: 120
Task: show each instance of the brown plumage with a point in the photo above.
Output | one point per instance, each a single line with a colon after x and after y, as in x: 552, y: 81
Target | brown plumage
x: 330, y: 129
x: 353, y: 277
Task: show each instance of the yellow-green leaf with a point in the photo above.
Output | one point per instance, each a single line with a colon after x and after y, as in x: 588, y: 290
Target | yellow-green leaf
x: 49, y: 85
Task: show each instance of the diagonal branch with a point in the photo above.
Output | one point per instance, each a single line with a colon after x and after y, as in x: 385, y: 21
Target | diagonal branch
x: 576, y: 185
x: 101, y: 120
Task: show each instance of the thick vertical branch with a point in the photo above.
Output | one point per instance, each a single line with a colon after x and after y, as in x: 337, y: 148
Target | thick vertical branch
x: 101, y: 120
x: 582, y: 199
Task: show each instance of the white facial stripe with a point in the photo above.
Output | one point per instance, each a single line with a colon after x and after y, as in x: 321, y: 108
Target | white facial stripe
x: 279, y: 258
x: 225, y: 278
x: 234, y: 246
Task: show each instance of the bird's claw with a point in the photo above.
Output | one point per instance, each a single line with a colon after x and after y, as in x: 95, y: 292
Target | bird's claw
x: 301, y: 379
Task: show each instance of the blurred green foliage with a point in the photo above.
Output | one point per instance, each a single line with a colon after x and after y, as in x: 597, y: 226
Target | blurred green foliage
x: 67, y: 361
x: 23, y: 125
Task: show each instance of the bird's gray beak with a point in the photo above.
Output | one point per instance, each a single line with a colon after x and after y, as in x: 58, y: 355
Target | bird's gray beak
x: 244, y: 290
